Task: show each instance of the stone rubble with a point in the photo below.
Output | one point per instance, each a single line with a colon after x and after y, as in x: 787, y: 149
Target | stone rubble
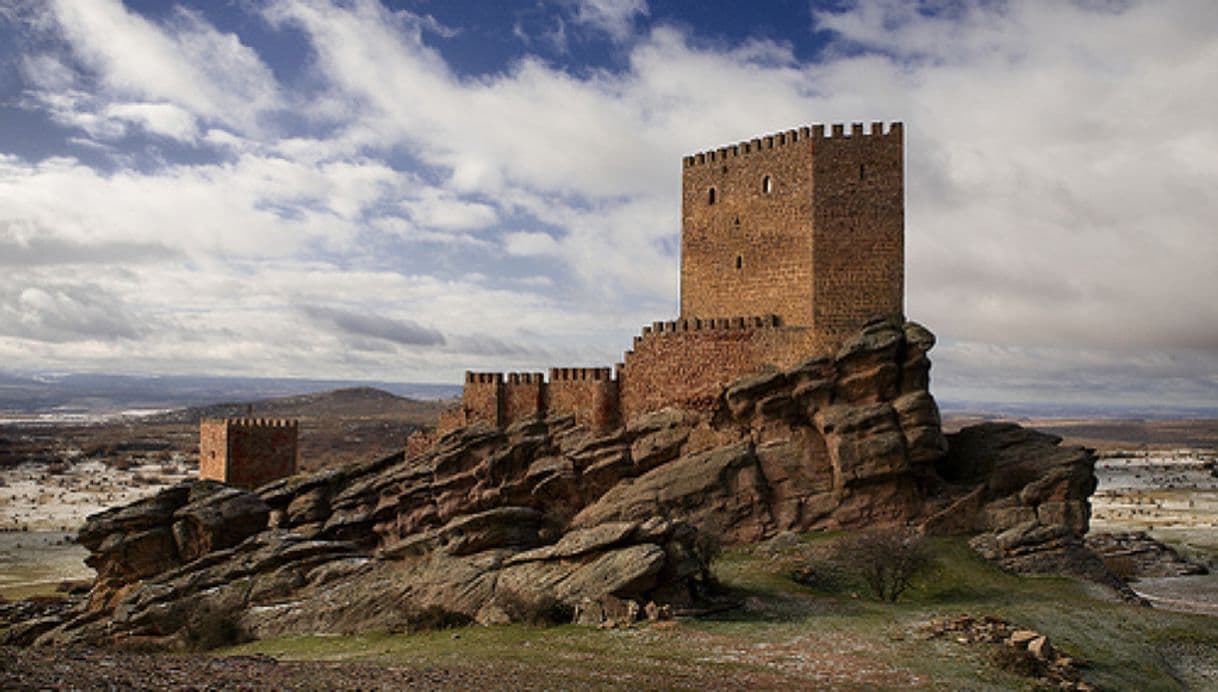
x: 1050, y: 667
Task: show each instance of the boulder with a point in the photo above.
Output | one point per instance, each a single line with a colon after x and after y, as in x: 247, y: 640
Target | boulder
x: 216, y: 517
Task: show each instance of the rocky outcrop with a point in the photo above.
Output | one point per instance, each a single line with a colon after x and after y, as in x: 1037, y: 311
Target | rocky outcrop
x: 1136, y: 555
x: 1025, y: 493
x: 173, y: 527
x: 496, y: 525
x: 1026, y: 498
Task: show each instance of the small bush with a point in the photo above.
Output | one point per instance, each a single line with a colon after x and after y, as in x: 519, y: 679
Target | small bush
x: 822, y: 575
x: 886, y: 560
x: 534, y: 608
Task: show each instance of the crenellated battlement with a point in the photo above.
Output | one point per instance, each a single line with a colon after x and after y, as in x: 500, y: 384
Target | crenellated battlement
x: 483, y: 377
x: 780, y: 139
x: 695, y: 324
x: 525, y: 378
x: 261, y: 422
x: 580, y: 374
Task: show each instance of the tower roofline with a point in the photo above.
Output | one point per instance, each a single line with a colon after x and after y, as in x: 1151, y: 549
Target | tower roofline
x: 791, y: 136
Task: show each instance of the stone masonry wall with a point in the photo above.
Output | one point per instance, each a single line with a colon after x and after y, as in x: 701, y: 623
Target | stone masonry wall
x: 858, y: 228
x: 524, y: 396
x: 679, y: 362
x: 247, y: 452
x: 590, y: 394
x: 746, y: 246
x: 799, y: 224
x: 482, y: 397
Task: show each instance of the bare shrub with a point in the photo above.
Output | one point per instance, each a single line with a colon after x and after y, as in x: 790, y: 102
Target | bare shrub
x: 1017, y: 661
x: 1124, y: 566
x: 886, y: 559
x: 435, y: 617
x: 707, y: 546
x: 212, y: 625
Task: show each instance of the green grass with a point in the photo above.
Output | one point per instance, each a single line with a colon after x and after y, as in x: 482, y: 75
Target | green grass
x: 789, y: 634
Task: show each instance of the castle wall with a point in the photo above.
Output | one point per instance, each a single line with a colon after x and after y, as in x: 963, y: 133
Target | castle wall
x: 858, y: 228
x: 482, y: 397
x: 420, y: 441
x: 524, y: 396
x: 750, y: 251
x: 589, y: 394
x: 688, y: 361
x: 451, y: 418
x: 247, y: 452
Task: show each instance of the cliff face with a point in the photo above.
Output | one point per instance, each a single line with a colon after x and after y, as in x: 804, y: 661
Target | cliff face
x: 548, y: 512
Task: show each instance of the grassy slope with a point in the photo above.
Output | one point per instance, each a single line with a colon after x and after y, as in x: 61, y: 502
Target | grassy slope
x: 790, y: 635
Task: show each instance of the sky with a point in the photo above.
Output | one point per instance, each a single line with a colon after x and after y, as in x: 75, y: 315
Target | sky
x: 403, y: 190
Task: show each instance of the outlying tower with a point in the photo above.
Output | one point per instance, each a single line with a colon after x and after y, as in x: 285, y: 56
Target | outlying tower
x: 247, y: 452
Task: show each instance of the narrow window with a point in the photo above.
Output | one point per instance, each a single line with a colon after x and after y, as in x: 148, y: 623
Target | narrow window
x: 767, y: 184
x: 862, y: 171
x: 739, y: 262
x: 710, y: 196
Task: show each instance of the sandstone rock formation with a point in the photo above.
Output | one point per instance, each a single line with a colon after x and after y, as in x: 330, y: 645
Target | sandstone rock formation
x: 1029, y: 497
x: 489, y: 524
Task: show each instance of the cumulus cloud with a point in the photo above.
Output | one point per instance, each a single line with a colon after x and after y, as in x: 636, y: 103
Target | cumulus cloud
x: 614, y: 17
x: 162, y: 119
x: 186, y: 62
x: 530, y: 243
x: 434, y: 208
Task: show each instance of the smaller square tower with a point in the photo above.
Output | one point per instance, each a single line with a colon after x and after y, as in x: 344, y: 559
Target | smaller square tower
x: 247, y: 452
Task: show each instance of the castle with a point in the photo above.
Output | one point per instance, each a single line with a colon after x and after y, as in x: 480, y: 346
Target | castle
x: 789, y: 243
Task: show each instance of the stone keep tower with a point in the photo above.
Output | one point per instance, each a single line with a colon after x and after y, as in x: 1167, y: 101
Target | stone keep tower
x: 801, y: 225
x: 247, y: 452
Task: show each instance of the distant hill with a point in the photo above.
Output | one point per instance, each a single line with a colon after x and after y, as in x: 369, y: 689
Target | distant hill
x: 347, y: 403
x: 107, y: 394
